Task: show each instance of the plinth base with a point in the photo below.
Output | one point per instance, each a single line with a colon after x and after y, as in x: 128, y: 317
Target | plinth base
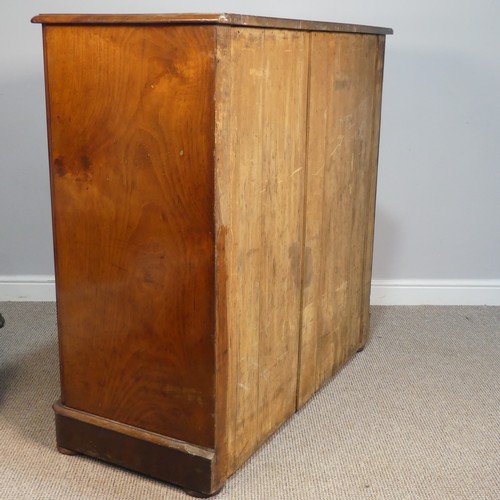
x: 177, y: 462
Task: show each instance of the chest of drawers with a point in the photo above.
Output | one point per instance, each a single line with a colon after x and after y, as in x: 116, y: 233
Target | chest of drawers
x: 213, y: 191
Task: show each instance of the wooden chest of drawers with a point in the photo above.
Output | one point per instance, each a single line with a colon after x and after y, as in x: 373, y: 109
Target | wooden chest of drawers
x: 213, y: 191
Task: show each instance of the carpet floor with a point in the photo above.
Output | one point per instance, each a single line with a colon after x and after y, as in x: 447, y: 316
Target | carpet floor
x: 416, y: 415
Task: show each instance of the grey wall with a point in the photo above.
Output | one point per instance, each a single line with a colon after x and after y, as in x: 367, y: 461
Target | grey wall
x: 439, y: 176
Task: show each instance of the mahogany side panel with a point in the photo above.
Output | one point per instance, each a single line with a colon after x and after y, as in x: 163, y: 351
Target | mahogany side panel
x: 131, y: 130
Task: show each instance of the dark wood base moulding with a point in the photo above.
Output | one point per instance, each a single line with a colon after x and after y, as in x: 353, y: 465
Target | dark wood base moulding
x: 170, y: 460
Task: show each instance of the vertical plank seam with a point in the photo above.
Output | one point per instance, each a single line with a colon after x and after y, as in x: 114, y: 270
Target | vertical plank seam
x: 304, y: 224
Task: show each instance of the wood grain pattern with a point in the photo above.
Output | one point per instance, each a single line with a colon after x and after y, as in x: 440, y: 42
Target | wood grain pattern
x: 340, y: 190
x: 131, y: 140
x: 372, y: 191
x: 221, y: 19
x: 260, y: 128
x: 213, y: 190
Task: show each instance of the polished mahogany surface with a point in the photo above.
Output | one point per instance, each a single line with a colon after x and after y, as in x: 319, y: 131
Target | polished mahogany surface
x: 131, y: 118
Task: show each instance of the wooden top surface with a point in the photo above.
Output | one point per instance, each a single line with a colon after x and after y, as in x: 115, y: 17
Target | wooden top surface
x: 227, y: 19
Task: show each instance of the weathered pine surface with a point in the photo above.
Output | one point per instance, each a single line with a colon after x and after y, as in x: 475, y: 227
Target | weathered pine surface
x: 213, y: 192
x: 339, y: 208
x: 261, y: 105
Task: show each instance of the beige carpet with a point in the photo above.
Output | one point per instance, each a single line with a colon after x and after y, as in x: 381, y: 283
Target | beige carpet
x: 416, y: 415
